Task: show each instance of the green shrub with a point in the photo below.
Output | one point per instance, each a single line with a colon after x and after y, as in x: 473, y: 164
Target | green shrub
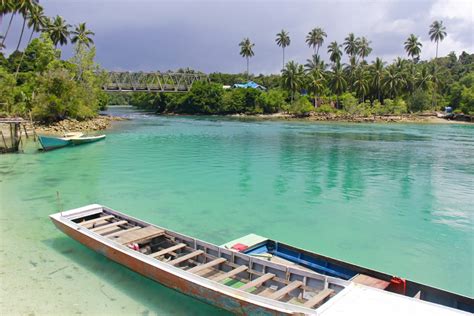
x: 419, y: 101
x: 272, y: 101
x: 325, y: 108
x: 302, y: 106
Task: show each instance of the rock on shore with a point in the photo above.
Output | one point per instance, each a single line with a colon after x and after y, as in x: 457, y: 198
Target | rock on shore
x: 72, y: 125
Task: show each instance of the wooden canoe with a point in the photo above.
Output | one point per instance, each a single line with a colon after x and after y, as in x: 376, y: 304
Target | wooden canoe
x: 234, y: 281
x: 86, y: 139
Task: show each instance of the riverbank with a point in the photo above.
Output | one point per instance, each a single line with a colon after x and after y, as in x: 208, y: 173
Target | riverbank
x: 98, y: 123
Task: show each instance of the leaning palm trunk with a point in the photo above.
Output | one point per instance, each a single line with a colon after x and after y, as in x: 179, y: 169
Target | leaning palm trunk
x: 8, y: 28
x: 283, y: 58
x: 21, y: 34
x: 23, y: 55
x: 248, y: 74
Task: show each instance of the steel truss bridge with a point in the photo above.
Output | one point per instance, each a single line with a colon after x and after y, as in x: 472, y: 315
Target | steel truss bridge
x: 152, y: 81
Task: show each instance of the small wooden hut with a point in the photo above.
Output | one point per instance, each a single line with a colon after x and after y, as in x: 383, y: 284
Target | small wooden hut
x: 10, y: 134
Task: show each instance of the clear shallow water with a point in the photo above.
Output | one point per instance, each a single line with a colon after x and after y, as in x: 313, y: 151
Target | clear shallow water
x: 397, y: 198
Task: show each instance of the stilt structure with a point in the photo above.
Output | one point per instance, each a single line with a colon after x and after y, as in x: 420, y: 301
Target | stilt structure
x: 10, y: 132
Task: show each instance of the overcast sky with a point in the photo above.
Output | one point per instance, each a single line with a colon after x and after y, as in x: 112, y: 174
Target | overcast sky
x: 204, y: 35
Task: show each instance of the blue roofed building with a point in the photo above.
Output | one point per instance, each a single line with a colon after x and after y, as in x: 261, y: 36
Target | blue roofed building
x: 249, y: 84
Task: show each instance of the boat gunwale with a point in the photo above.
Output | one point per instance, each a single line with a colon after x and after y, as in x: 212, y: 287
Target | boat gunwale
x: 223, y: 289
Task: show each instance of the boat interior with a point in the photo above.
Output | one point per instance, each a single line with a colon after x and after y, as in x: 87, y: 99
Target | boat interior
x: 274, y: 280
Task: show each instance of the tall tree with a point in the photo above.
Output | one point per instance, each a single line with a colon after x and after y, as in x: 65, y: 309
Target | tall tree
x: 315, y: 63
x: 58, y: 29
x: 437, y: 33
x: 413, y: 47
x: 315, y: 39
x: 361, y: 82
x: 24, y: 7
x: 317, y: 83
x: 293, y: 77
x: 82, y: 35
x: 377, y: 70
x: 283, y: 40
x: 335, y: 53
x: 246, y: 51
x: 393, y: 81
x: 351, y: 45
x: 337, y: 82
x: 350, y: 69
x: 8, y: 6
x: 364, y: 48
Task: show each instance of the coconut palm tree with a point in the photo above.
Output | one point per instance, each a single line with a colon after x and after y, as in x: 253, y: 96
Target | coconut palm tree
x: 8, y: 6
x: 317, y: 83
x: 413, y: 47
x: 58, y: 30
x: 350, y: 69
x: 246, y: 50
x: 293, y: 77
x: 24, y: 7
x: 364, y: 48
x: 361, y: 82
x: 435, y: 77
x: 315, y: 39
x: 36, y: 22
x: 393, y: 81
x: 377, y: 70
x: 335, y: 53
x: 437, y: 33
x: 315, y: 63
x: 337, y: 82
x: 82, y: 35
x: 351, y: 45
x: 283, y: 40
x: 423, y: 79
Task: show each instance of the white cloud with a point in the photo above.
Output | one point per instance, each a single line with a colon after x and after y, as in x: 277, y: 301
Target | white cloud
x: 453, y: 9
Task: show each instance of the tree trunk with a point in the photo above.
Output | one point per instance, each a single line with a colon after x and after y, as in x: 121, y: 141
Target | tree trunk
x: 248, y: 67
x: 437, y: 49
x: 8, y: 28
x: 283, y: 58
x: 21, y: 34
x: 317, y: 51
x: 23, y: 55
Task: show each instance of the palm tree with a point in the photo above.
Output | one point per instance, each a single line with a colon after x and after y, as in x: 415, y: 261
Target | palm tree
x: 351, y: 45
x: 8, y: 6
x: 315, y: 39
x: 246, y: 50
x: 378, y: 75
x: 413, y: 47
x: 435, y: 77
x: 36, y: 22
x: 424, y: 77
x: 335, y: 52
x: 315, y: 63
x: 82, y: 35
x: 58, y: 30
x: 337, y: 81
x: 361, y: 83
x: 437, y: 33
x: 350, y: 69
x: 317, y: 83
x: 283, y: 40
x: 24, y: 7
x: 293, y: 77
x: 393, y: 81
x: 411, y: 76
x: 364, y: 48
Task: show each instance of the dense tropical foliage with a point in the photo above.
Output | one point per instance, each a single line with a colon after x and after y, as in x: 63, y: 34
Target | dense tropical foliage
x: 36, y: 81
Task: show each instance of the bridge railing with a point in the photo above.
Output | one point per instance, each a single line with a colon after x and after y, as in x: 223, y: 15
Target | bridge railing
x: 152, y: 81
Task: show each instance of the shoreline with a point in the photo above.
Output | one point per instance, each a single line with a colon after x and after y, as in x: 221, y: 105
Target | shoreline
x: 101, y: 122
x: 343, y: 118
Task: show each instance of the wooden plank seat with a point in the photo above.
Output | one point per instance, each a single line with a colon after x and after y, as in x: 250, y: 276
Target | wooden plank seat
x: 371, y: 281
x: 285, y: 290
x: 104, y: 227
x: 257, y: 282
x: 140, y: 234
x: 186, y: 257
x: 230, y: 274
x: 167, y: 250
x: 90, y: 223
x: 119, y: 233
x: 207, y: 265
x: 318, y: 298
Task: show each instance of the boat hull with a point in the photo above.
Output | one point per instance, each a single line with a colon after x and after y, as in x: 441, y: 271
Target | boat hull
x: 50, y: 143
x: 86, y: 140
x: 207, y: 295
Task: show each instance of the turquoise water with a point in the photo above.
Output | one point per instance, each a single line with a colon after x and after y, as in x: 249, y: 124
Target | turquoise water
x: 397, y: 198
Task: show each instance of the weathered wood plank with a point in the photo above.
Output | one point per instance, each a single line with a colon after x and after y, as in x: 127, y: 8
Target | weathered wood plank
x: 257, y: 282
x: 140, y: 234
x: 230, y: 273
x: 371, y: 281
x: 167, y: 250
x: 318, y: 298
x: 285, y: 290
x: 207, y: 265
x: 186, y: 257
x: 114, y: 224
x: 91, y: 222
x: 116, y: 234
